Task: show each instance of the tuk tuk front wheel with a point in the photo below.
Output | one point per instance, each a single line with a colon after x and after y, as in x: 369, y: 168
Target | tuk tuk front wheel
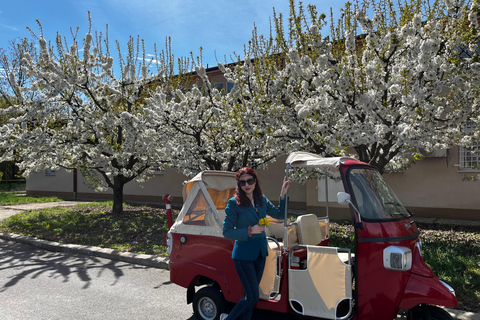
x: 208, y: 303
x: 427, y: 312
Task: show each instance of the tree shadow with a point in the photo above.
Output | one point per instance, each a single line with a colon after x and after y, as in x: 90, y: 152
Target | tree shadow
x: 30, y: 262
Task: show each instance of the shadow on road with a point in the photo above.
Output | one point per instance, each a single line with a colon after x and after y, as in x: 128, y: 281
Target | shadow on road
x: 29, y: 262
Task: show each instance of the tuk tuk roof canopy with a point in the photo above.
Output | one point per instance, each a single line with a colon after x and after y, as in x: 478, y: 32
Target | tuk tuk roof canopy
x: 311, y: 160
x: 212, y: 179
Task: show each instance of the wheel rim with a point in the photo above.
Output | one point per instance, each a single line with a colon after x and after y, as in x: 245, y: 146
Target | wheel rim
x: 207, y: 308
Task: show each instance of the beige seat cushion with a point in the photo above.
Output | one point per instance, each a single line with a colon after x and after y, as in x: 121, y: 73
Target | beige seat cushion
x: 308, y: 229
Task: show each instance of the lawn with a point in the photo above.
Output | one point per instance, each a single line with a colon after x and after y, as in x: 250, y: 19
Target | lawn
x: 452, y: 252
x: 9, y: 198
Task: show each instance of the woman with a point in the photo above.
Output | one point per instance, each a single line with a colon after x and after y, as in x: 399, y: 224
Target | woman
x: 242, y: 216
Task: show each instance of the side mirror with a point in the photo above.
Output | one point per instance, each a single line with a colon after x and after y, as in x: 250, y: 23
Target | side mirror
x: 343, y: 198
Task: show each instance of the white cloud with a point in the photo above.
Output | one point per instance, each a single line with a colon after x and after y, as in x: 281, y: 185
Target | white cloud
x: 3, y: 26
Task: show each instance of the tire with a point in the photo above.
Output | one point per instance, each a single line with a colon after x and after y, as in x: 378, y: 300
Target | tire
x: 427, y: 312
x: 208, y: 303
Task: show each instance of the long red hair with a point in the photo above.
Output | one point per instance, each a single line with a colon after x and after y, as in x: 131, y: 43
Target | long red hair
x: 240, y: 197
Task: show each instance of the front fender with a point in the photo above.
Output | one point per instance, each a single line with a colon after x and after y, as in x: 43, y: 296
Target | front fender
x: 427, y: 290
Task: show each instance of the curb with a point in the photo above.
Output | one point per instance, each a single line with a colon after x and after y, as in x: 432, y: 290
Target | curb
x: 135, y: 258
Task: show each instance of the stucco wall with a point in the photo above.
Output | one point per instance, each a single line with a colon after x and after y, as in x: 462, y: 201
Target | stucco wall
x: 62, y: 181
x: 434, y: 187
x: 153, y: 190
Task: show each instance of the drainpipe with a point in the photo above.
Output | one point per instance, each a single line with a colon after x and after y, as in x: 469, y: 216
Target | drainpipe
x: 74, y: 184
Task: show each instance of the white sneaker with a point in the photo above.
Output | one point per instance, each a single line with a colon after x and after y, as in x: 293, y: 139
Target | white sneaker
x: 223, y: 316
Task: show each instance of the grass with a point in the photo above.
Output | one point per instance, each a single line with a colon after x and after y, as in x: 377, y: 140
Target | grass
x: 12, y: 198
x: 139, y: 229
x: 452, y: 252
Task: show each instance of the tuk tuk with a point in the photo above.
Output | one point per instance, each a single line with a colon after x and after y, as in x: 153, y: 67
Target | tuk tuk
x: 304, y: 274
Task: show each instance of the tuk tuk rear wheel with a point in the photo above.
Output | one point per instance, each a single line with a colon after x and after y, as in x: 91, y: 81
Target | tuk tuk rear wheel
x: 427, y: 312
x: 208, y: 303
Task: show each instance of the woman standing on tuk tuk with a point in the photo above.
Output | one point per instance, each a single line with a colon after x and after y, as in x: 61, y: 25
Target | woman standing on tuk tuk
x: 243, y: 216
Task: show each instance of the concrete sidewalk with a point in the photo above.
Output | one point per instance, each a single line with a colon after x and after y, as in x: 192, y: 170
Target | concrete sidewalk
x: 156, y: 261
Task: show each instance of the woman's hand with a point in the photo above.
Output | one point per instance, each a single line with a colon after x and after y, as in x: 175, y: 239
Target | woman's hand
x: 257, y: 229
x: 285, y: 186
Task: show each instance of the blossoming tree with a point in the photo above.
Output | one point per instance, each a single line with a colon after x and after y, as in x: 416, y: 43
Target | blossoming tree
x: 210, y: 129
x: 85, y: 116
x: 382, y: 86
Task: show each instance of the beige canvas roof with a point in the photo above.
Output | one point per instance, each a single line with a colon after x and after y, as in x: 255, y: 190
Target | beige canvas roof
x: 212, y: 179
x: 306, y: 159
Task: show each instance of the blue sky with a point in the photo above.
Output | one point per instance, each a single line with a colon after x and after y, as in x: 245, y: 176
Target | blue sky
x: 218, y: 26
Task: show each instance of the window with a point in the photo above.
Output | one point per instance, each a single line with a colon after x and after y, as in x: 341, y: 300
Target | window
x: 465, y: 52
x: 469, y: 158
x: 199, y: 213
x: 50, y: 172
x: 373, y: 198
x: 220, y: 198
x: 221, y: 86
x: 155, y: 170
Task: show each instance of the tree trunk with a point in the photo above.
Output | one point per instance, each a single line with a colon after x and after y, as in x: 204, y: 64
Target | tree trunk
x: 118, y: 183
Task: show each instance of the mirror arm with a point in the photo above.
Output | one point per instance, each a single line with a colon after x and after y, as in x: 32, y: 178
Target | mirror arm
x: 285, y: 227
x: 344, y: 198
x: 360, y: 223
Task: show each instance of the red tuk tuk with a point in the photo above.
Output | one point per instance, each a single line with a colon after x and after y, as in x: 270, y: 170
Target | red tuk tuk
x: 304, y: 274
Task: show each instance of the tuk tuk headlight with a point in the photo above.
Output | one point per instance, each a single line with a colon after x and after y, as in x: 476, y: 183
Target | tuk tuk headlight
x: 397, y: 258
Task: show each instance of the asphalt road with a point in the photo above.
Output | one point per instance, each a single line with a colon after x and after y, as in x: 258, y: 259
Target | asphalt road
x: 37, y: 284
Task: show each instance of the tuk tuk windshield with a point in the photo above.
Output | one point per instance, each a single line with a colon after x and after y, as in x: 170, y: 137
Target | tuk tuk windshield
x: 373, y: 197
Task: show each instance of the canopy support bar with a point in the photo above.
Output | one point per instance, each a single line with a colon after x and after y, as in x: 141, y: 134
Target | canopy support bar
x: 285, y: 227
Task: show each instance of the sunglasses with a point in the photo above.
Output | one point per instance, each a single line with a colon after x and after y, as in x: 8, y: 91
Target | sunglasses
x: 242, y: 183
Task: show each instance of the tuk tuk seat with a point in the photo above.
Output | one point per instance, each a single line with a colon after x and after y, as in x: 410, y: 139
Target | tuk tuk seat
x: 309, y: 230
x: 276, y: 230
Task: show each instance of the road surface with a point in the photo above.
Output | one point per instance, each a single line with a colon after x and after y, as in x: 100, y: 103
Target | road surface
x: 37, y: 284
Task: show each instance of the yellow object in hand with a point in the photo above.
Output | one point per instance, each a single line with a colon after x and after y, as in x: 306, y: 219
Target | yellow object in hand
x: 263, y: 222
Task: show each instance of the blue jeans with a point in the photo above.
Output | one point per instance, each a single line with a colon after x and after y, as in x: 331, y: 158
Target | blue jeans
x: 250, y: 274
